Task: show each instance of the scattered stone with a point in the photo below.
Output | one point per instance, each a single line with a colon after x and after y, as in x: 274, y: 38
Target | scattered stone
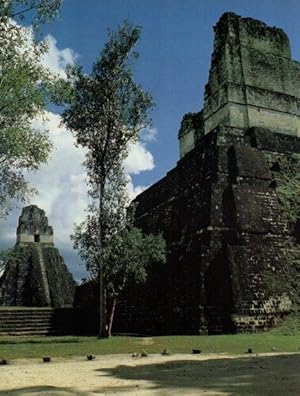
x: 196, y: 351
x: 3, y: 362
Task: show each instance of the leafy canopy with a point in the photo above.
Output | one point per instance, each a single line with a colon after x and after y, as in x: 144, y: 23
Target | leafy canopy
x: 106, y: 112
x: 35, y: 12
x: 25, y: 89
x: 108, y: 108
x: 288, y: 186
x: 131, y: 253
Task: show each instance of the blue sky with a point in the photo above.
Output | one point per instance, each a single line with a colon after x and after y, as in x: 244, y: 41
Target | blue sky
x: 175, y: 52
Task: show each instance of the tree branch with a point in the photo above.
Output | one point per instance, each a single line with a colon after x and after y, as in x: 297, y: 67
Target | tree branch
x: 23, y: 11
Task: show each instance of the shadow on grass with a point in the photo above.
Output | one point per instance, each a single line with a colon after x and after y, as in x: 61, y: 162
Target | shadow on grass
x: 45, y: 391
x: 259, y: 376
x: 65, y: 391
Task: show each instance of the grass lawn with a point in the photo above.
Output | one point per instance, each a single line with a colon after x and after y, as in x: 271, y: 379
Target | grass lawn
x: 67, y: 346
x: 285, y: 338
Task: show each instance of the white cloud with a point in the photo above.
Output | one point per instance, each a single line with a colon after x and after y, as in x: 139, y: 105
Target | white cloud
x: 60, y: 182
x: 56, y: 59
x: 139, y: 159
x: 62, y: 189
x: 134, y: 191
x: 148, y: 134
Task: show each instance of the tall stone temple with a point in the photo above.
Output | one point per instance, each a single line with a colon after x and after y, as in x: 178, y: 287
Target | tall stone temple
x: 36, y: 274
x: 229, y: 241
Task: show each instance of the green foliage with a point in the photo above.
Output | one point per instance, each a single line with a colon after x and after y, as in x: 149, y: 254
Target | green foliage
x: 288, y: 185
x: 25, y: 88
x: 13, y: 254
x: 35, y: 12
x: 16, y: 254
x: 10, y: 254
x: 106, y: 112
x: 289, y: 326
x: 130, y: 254
x: 93, y: 251
x: 108, y: 108
x: 294, y: 277
x: 286, y: 172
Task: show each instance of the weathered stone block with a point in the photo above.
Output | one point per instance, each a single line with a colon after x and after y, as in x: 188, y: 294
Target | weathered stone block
x: 265, y: 139
x: 252, y: 81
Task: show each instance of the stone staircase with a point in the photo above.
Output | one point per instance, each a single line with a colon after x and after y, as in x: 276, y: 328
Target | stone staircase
x: 40, y: 259
x: 35, y: 321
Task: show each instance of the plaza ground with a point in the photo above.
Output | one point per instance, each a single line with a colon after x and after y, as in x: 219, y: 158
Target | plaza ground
x: 224, y: 366
x: 179, y: 374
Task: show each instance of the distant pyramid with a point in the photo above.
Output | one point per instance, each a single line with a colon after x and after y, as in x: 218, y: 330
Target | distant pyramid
x: 37, y: 275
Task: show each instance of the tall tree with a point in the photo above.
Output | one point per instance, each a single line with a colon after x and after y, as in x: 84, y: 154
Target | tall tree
x: 126, y: 253
x: 106, y: 114
x: 25, y: 87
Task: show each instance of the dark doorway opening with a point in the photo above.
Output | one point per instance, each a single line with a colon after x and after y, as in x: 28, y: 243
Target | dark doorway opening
x: 36, y: 238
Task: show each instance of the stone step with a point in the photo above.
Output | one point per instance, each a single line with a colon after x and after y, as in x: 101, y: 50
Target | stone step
x: 29, y: 332
x: 20, y: 318
x: 25, y: 312
x: 40, y: 258
x: 26, y: 320
x: 25, y: 324
x: 42, y: 329
x: 26, y: 315
x: 18, y: 321
x: 38, y: 311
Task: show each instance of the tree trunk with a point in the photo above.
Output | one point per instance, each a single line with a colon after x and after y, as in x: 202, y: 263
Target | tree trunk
x: 102, y: 292
x: 102, y: 306
x: 112, y: 314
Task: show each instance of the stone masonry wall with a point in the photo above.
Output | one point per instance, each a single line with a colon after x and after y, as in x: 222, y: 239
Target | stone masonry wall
x: 253, y: 81
x: 227, y: 242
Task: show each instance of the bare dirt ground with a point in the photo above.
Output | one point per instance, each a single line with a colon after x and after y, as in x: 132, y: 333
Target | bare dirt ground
x: 255, y: 375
